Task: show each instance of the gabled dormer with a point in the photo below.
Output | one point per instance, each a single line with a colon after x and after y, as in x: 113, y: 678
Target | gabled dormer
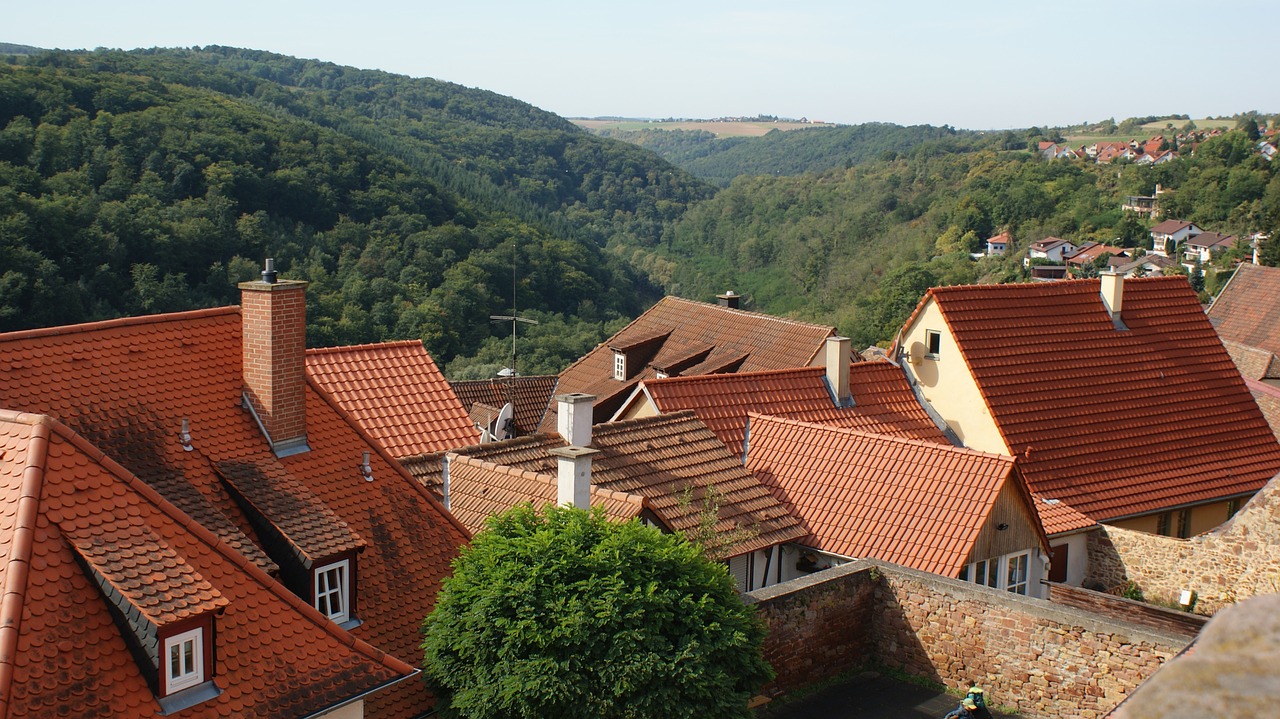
x: 632, y: 354
x: 316, y: 550
x: 165, y: 610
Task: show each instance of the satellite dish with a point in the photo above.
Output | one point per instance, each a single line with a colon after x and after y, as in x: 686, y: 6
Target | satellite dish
x: 502, y: 426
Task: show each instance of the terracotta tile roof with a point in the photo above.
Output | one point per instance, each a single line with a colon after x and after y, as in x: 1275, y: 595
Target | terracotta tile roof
x: 861, y: 495
x: 396, y: 392
x: 1268, y: 398
x: 126, y: 385
x: 670, y: 460
x: 1253, y: 362
x: 1000, y: 239
x: 62, y: 502
x: 1247, y: 311
x: 1211, y: 239
x: 883, y: 400
x: 1115, y: 423
x: 675, y: 329
x: 1090, y: 253
x: 479, y: 489
x: 532, y: 397
x: 1058, y: 517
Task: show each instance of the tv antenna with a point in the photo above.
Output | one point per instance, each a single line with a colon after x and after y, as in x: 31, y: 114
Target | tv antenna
x: 514, y: 318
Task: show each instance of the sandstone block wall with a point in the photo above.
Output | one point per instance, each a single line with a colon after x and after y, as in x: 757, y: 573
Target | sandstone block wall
x: 1239, y: 559
x: 1045, y: 660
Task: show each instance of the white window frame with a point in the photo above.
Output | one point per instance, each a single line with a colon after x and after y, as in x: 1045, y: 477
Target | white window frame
x: 995, y: 572
x: 342, y: 590
x: 1012, y: 562
x: 620, y: 366
x: 187, y: 675
x: 929, y: 337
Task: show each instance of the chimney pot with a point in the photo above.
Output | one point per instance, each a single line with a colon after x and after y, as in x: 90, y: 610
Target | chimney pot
x: 269, y: 274
x: 729, y: 299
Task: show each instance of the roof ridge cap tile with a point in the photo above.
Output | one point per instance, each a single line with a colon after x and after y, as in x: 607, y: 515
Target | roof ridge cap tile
x: 850, y: 431
x: 343, y: 349
x: 751, y: 313
x: 136, y: 320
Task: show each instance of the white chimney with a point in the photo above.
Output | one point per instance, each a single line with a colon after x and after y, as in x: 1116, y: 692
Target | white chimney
x: 573, y: 476
x: 838, y: 370
x: 573, y: 418
x: 1113, y: 292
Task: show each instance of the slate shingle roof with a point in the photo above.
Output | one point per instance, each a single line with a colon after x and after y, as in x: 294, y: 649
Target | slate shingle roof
x: 479, y: 489
x: 860, y: 495
x: 532, y: 396
x: 61, y: 652
x: 396, y: 392
x: 670, y: 460
x: 883, y: 400
x: 126, y: 385
x: 675, y: 329
x: 1115, y: 423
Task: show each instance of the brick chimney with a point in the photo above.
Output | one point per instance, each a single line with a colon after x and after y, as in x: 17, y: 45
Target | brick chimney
x: 273, y: 316
x: 837, y: 359
x: 729, y: 299
x: 574, y: 417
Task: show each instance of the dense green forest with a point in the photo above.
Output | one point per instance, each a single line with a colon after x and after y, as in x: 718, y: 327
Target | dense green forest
x: 818, y: 149
x: 150, y: 181
x: 154, y: 181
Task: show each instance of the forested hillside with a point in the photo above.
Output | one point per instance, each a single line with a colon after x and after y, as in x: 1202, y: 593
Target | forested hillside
x: 797, y: 152
x: 153, y: 181
x: 858, y: 247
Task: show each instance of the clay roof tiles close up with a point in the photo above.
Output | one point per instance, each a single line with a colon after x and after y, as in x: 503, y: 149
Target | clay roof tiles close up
x: 530, y: 397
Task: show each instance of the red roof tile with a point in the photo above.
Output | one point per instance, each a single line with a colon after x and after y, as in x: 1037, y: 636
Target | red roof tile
x: 479, y: 489
x: 126, y: 385
x: 396, y: 392
x: 676, y: 329
x: 1268, y: 399
x: 1247, y: 311
x: 530, y: 397
x: 673, y: 461
x: 1115, y: 423
x: 1058, y: 517
x: 883, y: 400
x: 62, y: 653
x: 860, y: 495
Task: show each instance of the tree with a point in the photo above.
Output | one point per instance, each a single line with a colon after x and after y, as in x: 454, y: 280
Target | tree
x: 558, y: 612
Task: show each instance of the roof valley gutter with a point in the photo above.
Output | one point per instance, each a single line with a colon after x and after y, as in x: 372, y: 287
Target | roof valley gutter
x: 358, y: 697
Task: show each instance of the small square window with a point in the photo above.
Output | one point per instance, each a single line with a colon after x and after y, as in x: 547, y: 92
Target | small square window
x: 933, y: 342
x: 333, y: 590
x: 184, y: 660
x: 619, y: 366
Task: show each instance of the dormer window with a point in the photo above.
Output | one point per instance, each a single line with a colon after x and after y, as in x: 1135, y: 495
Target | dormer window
x: 659, y: 374
x: 333, y: 593
x: 184, y: 665
x: 619, y: 366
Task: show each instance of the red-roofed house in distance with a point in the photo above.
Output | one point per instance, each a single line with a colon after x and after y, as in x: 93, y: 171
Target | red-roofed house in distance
x: 682, y: 338
x: 1204, y: 247
x: 1167, y: 235
x: 213, y: 413
x: 1053, y: 249
x: 1115, y: 395
x: 999, y: 244
x: 937, y: 508
x: 873, y: 396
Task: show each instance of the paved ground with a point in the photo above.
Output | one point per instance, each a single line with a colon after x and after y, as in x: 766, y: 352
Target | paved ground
x: 866, y: 696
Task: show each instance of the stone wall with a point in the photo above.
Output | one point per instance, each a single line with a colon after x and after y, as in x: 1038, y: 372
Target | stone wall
x: 1239, y: 559
x: 1047, y: 661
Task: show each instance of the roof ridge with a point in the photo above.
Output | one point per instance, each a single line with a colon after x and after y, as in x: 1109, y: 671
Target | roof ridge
x: 775, y: 318
x: 385, y: 455
x: 884, y: 437
x: 118, y: 322
x: 18, y: 563
x: 734, y: 376
x: 339, y: 349
x: 243, y: 563
x: 610, y: 428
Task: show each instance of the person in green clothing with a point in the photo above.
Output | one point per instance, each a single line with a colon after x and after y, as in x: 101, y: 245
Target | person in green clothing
x: 979, y: 700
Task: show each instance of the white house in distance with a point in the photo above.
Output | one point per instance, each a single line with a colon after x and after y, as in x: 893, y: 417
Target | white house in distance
x: 998, y: 244
x: 1054, y: 249
x: 1204, y: 246
x: 1166, y: 236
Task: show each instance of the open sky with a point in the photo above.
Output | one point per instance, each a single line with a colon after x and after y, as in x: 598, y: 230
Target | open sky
x: 975, y: 64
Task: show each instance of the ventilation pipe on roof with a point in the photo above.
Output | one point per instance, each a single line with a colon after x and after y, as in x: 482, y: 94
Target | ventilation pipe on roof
x: 1113, y: 296
x: 729, y: 299
x: 273, y: 341
x: 574, y: 417
x: 837, y: 359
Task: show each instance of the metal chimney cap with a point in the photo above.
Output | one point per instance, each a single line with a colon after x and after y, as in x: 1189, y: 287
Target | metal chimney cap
x: 269, y: 275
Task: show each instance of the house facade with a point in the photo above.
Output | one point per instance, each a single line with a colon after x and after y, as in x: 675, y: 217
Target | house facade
x: 1167, y: 235
x: 1065, y: 375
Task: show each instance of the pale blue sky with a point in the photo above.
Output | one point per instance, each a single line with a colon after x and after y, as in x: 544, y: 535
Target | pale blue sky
x: 976, y: 64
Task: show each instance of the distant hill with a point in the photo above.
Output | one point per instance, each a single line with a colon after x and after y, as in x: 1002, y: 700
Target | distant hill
x: 8, y: 48
x: 816, y: 149
x: 152, y: 181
